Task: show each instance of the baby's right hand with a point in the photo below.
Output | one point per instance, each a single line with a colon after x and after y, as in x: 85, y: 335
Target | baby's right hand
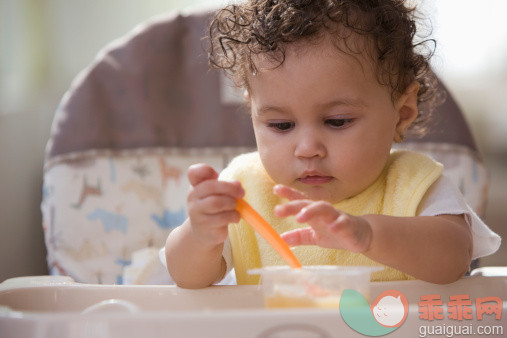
x: 211, y: 205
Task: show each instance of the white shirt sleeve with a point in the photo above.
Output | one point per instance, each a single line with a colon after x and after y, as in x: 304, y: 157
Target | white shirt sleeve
x: 444, y: 198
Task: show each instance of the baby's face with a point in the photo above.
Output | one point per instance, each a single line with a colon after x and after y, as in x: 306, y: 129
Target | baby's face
x: 323, y: 123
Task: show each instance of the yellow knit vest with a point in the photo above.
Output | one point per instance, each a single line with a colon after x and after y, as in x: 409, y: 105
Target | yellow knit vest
x: 397, y: 192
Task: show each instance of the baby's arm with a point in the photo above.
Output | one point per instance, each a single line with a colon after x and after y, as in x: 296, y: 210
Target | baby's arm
x: 435, y: 249
x: 194, y: 249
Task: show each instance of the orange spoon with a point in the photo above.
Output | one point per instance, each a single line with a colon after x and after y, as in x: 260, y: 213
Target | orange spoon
x: 267, y: 232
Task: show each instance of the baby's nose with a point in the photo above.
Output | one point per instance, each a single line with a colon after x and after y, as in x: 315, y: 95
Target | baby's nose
x: 310, y: 145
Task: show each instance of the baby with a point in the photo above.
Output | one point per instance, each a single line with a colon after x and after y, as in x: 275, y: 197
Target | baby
x: 330, y: 84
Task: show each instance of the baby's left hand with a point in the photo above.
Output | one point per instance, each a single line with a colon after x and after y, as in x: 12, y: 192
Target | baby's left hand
x: 329, y: 227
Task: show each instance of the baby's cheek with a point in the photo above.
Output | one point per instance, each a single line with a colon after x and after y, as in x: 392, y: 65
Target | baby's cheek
x: 278, y: 173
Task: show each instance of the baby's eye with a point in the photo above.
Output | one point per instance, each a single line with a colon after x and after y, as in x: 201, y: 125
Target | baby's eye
x: 281, y: 126
x: 337, y: 123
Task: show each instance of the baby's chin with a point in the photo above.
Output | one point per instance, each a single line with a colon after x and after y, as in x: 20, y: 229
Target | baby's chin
x: 320, y: 193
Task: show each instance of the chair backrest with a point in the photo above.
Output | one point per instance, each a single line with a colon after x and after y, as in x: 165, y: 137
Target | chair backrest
x: 151, y: 88
x: 129, y: 126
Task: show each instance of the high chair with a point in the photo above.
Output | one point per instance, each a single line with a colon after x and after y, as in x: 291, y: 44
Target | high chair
x: 130, y: 125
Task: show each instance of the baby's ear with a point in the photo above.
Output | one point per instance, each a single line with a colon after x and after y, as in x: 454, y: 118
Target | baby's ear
x: 407, y: 110
x: 246, y: 95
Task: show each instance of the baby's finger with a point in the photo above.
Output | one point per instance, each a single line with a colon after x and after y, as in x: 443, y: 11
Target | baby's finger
x: 290, y: 208
x: 200, y: 172
x: 215, y: 204
x: 289, y: 193
x: 207, y: 222
x: 323, y: 210
x: 303, y: 236
x: 214, y: 187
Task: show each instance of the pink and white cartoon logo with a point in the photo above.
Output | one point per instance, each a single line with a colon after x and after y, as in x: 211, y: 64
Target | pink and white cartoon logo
x: 390, y: 308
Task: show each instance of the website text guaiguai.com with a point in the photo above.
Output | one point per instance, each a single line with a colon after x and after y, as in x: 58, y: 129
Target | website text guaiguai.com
x: 464, y: 316
x: 460, y: 330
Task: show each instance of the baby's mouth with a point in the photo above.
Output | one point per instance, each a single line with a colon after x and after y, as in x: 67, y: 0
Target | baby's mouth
x: 315, y: 179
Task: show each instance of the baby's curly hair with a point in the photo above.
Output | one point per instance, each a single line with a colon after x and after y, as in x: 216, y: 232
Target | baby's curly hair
x: 239, y: 31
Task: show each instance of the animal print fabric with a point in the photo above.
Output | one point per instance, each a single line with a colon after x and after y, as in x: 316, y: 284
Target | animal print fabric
x: 100, y: 207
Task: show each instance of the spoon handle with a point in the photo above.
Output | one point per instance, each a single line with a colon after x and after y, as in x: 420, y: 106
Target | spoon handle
x: 267, y: 232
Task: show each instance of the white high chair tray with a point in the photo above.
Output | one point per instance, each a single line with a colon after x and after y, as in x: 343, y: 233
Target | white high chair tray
x: 55, y: 307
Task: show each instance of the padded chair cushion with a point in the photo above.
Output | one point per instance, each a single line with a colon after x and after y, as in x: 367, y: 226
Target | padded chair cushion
x: 122, y: 139
x: 151, y: 88
x: 98, y: 210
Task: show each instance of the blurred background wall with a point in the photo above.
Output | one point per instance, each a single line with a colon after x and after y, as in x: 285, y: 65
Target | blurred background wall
x: 45, y: 43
